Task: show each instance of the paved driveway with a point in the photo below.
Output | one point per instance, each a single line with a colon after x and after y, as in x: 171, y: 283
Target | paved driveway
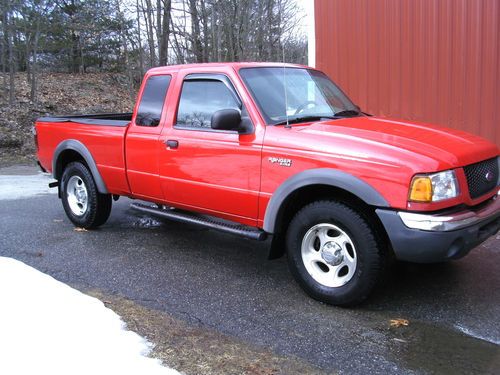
x: 226, y: 283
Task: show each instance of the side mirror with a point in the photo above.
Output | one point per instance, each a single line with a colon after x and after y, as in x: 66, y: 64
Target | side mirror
x: 226, y: 119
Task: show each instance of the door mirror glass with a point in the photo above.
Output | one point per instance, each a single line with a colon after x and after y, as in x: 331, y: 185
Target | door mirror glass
x: 226, y: 119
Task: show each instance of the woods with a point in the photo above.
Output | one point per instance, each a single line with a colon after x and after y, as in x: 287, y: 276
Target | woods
x: 130, y: 36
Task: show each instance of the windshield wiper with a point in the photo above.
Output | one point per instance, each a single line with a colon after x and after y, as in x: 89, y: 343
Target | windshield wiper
x: 296, y: 120
x: 348, y: 113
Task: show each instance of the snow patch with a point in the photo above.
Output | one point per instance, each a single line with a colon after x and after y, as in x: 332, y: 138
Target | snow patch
x: 47, y: 327
x: 471, y: 333
x: 19, y: 187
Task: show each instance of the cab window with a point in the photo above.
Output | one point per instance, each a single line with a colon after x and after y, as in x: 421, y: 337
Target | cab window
x: 153, y: 97
x: 200, y: 99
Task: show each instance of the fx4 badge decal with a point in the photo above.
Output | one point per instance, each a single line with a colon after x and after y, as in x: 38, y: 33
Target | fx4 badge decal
x: 281, y: 161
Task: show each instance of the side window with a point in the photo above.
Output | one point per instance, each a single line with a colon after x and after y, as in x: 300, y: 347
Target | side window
x: 200, y: 99
x: 153, y: 97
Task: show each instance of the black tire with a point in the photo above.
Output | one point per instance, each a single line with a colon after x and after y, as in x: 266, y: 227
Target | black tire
x: 367, y: 254
x: 98, y: 206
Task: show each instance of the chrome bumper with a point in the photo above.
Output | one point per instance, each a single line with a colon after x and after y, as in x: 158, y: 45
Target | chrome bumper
x: 446, y: 223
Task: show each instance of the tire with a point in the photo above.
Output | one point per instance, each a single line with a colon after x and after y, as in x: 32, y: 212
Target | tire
x: 333, y: 253
x: 82, y: 202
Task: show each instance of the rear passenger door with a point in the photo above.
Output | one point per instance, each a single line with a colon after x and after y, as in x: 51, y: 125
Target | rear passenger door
x: 212, y: 171
x: 142, y: 144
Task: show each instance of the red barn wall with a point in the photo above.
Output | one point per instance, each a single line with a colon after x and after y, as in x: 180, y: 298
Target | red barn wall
x: 429, y: 60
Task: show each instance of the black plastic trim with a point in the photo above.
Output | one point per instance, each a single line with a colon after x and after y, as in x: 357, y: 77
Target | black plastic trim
x: 216, y: 77
x: 100, y: 119
x: 41, y: 166
x: 320, y: 176
x: 79, y: 147
x: 208, y: 222
x: 419, y: 246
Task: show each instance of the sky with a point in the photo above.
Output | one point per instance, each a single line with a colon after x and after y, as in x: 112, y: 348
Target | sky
x: 308, y: 6
x: 308, y: 27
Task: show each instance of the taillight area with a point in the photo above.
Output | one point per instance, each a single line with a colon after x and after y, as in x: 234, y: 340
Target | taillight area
x: 35, y: 137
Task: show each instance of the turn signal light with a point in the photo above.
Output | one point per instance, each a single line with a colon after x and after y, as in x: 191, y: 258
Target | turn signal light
x: 421, y: 189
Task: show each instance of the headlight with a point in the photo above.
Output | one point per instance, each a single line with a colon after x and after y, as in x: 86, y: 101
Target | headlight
x: 434, y: 187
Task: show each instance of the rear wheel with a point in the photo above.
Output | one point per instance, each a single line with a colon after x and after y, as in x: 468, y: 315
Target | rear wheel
x: 82, y: 202
x: 333, y: 253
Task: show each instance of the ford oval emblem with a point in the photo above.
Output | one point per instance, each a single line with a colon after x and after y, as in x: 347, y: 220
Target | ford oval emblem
x: 489, y: 176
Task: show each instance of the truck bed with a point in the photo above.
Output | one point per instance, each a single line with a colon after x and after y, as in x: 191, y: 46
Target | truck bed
x: 102, y: 134
x: 105, y: 119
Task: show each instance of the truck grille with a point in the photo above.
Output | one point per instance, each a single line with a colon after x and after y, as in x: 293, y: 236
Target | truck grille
x: 482, y: 177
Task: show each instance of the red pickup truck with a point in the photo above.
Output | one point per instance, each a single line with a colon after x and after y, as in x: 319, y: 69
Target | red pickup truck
x: 262, y: 149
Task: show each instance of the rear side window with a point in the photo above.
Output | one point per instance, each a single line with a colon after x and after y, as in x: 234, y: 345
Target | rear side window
x: 200, y: 99
x: 153, y: 97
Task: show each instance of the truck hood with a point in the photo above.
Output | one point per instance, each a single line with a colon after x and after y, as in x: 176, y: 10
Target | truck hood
x: 436, y: 147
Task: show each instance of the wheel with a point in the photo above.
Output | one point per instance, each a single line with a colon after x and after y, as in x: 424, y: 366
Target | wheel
x: 333, y: 253
x: 83, y: 204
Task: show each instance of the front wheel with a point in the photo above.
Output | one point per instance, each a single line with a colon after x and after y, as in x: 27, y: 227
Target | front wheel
x: 82, y: 202
x: 333, y: 253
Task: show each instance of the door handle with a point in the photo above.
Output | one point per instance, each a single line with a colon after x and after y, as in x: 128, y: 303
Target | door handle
x: 172, y: 144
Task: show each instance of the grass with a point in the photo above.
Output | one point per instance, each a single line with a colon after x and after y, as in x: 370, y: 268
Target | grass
x: 201, y: 350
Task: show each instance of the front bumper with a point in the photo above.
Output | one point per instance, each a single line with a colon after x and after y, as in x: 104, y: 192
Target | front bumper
x: 425, y: 238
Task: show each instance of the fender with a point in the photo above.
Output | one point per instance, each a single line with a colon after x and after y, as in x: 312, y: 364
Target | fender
x: 77, y: 146
x: 320, y: 176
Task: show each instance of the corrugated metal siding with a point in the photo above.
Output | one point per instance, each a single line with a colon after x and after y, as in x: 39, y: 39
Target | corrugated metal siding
x: 429, y: 60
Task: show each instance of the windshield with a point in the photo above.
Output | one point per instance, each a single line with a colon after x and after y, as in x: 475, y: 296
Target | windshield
x: 309, y: 94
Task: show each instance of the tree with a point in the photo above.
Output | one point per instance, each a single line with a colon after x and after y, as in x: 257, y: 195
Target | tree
x: 236, y: 30
x: 164, y: 30
x: 130, y: 36
x: 8, y: 31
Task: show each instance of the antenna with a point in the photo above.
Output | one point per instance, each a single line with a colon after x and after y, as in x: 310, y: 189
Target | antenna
x: 284, y: 87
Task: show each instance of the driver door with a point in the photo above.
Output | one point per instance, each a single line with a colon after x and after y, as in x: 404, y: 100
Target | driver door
x: 212, y: 171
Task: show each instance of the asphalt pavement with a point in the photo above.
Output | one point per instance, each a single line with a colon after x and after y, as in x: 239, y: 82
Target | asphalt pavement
x: 219, y: 281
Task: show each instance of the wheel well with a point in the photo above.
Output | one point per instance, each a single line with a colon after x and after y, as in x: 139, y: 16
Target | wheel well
x: 66, y: 157
x: 308, y: 194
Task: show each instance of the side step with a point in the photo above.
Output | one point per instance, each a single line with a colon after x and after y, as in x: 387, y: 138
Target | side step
x: 208, y: 222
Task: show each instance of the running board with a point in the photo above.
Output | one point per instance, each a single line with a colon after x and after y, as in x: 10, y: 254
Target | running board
x: 208, y: 222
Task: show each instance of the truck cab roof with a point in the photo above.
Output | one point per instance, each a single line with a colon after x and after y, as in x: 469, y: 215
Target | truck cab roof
x: 234, y: 65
